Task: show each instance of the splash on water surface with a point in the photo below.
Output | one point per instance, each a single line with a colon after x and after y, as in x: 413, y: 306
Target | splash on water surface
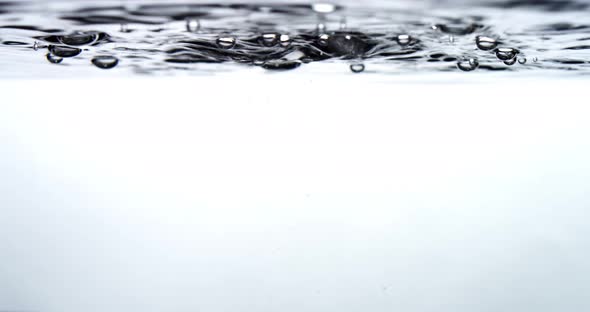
x: 151, y: 37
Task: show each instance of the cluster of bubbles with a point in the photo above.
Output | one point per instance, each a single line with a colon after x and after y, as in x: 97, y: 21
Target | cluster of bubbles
x: 68, y: 46
x: 508, y: 55
x: 287, y: 51
x: 340, y: 43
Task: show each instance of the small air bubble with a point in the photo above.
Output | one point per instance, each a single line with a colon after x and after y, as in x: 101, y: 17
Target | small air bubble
x: 451, y: 39
x: 63, y: 51
x: 357, y: 68
x: 269, y: 39
x: 226, y: 42
x: 323, y: 39
x: 105, y: 61
x: 403, y: 39
x: 53, y: 59
x: 535, y: 59
x: 522, y: 60
x: 285, y: 40
x: 79, y: 38
x: 485, y: 43
x: 506, y: 54
x: 468, y: 64
x: 124, y: 28
x: 193, y: 25
x: 510, y: 62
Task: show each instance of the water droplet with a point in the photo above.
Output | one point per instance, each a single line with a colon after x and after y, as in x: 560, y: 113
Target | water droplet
x: 285, y: 40
x: 323, y: 39
x: 54, y: 59
x: 226, y: 42
x: 269, y: 39
x: 63, y: 51
x: 36, y: 46
x: 485, y: 43
x: 357, y: 68
x: 105, y: 61
x: 510, y: 62
x: 522, y: 60
x: 193, y: 25
x: 506, y: 54
x: 323, y: 8
x: 468, y: 64
x: 79, y: 38
x: 403, y: 39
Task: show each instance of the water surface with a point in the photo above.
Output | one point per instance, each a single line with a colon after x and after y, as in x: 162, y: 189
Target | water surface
x: 147, y: 37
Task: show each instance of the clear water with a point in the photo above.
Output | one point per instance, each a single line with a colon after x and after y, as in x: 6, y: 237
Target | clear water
x: 42, y: 38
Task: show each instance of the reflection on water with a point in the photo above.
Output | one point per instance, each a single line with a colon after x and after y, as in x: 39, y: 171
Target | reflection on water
x: 147, y: 37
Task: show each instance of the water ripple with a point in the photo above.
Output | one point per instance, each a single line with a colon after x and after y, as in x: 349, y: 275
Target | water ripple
x: 152, y: 37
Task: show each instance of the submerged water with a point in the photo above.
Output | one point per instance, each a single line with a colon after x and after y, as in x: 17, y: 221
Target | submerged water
x: 150, y: 37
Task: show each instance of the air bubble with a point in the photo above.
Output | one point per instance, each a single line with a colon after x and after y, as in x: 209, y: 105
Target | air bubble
x: 105, y: 61
x: 506, y: 54
x: 63, y: 51
x: 226, y: 42
x: 323, y: 39
x: 468, y: 64
x: 522, y: 60
x: 79, y: 39
x: 285, y: 40
x: 357, y: 68
x: 510, y: 62
x: 535, y: 59
x: 193, y: 25
x: 269, y: 39
x: 53, y: 59
x: 485, y: 43
x: 38, y: 45
x: 403, y: 39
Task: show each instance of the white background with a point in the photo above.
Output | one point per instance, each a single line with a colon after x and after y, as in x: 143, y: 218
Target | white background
x: 289, y: 192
